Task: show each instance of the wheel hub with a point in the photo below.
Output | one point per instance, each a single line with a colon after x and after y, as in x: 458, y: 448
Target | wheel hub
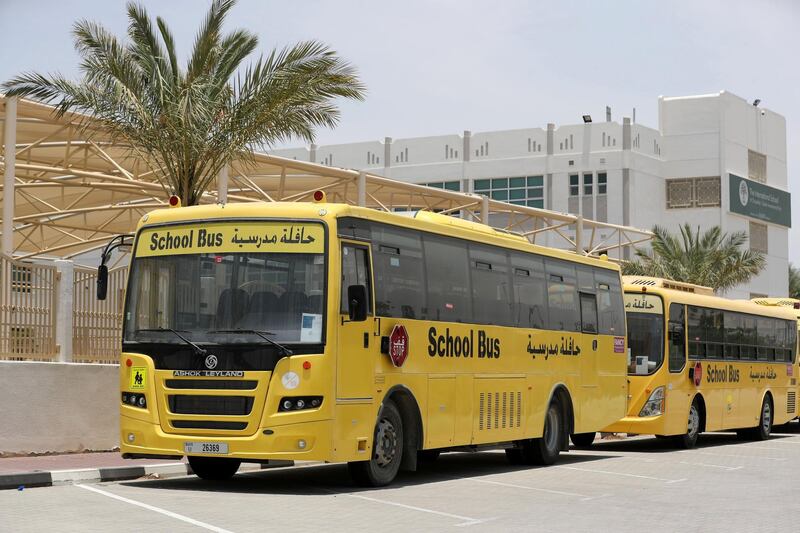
x: 694, y: 421
x: 385, y: 443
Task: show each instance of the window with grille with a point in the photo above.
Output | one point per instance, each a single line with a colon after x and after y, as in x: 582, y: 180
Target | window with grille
x: 693, y: 192
x: 756, y: 166
x: 759, y: 241
x: 707, y: 192
x: 587, y: 184
x: 522, y: 190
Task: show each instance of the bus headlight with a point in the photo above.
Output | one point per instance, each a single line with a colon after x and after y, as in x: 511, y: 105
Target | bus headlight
x: 655, y: 403
x: 299, y: 403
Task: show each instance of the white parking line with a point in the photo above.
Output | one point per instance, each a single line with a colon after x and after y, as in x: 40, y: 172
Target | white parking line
x: 695, y: 452
x: 155, y: 509
x: 583, y: 497
x: 466, y: 521
x: 721, y: 467
x: 621, y: 474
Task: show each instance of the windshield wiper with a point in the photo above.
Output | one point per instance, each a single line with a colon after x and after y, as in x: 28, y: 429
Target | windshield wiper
x: 262, y: 334
x: 198, y: 350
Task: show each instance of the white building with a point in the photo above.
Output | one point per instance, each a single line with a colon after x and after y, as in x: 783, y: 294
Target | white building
x: 714, y: 160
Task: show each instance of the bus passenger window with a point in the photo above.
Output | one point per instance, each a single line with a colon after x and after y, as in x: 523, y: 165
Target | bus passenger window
x: 677, y: 338
x: 588, y: 313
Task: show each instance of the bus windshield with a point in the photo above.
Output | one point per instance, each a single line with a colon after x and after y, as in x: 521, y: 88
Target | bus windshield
x: 646, y: 342
x: 207, y: 296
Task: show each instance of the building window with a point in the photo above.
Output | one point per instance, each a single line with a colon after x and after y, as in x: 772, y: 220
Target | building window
x: 759, y: 241
x: 756, y: 166
x: 693, y: 192
x: 588, y: 180
x: 447, y: 185
x: 602, y: 182
x: 528, y: 191
x: 574, y: 185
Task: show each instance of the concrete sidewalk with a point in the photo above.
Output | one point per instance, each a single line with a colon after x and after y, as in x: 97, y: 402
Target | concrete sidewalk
x: 46, y: 470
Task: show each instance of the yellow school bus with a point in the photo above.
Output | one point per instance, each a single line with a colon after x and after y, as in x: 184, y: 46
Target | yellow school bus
x: 794, y: 304
x: 322, y: 331
x: 698, y: 362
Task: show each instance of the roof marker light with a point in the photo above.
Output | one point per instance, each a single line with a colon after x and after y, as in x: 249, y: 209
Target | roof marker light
x: 128, y: 363
x: 319, y: 196
x: 174, y: 201
x: 307, y: 365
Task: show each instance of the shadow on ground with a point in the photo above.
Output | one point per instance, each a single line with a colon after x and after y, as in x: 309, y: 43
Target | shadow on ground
x: 334, y: 478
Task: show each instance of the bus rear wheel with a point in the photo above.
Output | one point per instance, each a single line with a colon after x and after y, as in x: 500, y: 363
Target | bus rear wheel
x: 544, y: 450
x: 387, y: 450
x: 693, y: 424
x: 214, y: 468
x: 582, y: 440
x: 764, y: 428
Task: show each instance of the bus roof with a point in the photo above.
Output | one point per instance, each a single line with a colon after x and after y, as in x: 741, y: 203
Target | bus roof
x: 422, y: 220
x: 791, y: 303
x: 686, y: 293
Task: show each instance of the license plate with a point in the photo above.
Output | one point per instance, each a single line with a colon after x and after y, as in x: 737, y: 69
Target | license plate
x: 205, y: 447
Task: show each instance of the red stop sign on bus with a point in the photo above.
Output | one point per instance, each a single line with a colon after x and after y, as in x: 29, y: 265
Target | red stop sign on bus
x: 398, y: 345
x: 698, y: 374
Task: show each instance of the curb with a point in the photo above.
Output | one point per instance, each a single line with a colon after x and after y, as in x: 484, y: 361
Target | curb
x: 24, y: 480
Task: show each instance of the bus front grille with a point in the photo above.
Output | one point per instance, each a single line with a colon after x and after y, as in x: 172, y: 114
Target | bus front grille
x: 208, y: 424
x: 218, y: 384
x: 184, y: 404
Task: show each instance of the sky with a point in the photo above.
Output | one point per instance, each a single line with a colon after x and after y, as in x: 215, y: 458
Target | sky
x: 442, y: 66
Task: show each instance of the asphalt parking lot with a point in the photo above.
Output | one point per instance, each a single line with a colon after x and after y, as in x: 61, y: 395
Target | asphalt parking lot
x: 634, y: 484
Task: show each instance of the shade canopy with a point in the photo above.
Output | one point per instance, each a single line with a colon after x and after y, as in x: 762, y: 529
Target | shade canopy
x: 74, y: 188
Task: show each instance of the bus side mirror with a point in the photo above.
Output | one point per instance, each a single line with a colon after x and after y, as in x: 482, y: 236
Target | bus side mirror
x: 102, y: 282
x: 357, y: 302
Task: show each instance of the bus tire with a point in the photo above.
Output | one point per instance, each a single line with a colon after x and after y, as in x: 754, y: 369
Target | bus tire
x: 764, y: 428
x: 214, y: 468
x: 387, y: 450
x: 582, y: 440
x: 693, y: 425
x: 545, y: 450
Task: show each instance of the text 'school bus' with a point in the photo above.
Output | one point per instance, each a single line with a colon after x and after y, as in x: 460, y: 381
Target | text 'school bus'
x: 794, y: 304
x: 699, y: 362
x: 336, y: 333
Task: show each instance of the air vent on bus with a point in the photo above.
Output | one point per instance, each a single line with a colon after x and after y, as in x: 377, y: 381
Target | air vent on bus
x: 644, y: 281
x: 499, y: 410
x: 791, y: 402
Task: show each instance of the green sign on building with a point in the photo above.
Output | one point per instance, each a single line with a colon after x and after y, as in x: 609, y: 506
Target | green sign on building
x: 756, y: 200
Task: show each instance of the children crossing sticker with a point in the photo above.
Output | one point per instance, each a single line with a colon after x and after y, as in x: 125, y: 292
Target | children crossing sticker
x: 138, y: 378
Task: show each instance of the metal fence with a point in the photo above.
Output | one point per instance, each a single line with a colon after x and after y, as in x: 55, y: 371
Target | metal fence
x: 97, y: 325
x: 28, y: 300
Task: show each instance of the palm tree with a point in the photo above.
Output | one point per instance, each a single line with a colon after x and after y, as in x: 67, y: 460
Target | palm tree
x: 794, y: 281
x: 711, y: 258
x: 187, y: 123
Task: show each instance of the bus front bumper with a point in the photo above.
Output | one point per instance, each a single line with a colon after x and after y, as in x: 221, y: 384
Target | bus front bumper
x: 139, y: 438
x: 650, y: 425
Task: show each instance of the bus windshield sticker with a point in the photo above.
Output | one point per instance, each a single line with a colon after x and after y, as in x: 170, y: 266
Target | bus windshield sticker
x: 228, y: 237
x: 311, y: 328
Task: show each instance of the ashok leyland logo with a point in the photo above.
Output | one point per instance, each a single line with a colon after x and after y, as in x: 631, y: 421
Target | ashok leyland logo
x: 211, y: 361
x: 744, y: 193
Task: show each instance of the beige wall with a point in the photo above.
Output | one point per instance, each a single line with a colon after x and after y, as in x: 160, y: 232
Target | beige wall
x: 58, y: 407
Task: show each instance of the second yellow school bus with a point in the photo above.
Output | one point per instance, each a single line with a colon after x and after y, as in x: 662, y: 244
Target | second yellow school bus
x: 317, y: 331
x: 699, y: 362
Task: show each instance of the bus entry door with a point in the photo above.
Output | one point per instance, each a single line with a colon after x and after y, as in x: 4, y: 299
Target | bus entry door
x: 355, y: 366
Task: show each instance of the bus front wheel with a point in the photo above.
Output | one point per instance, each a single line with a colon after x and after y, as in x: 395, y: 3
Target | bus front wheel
x: 214, y: 468
x: 693, y: 424
x: 387, y: 450
x: 582, y: 440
